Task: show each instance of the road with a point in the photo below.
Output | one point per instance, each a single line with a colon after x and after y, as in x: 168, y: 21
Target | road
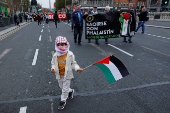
x: 27, y: 86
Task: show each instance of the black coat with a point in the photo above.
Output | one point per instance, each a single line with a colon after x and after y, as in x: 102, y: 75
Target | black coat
x: 142, y: 16
x: 55, y: 16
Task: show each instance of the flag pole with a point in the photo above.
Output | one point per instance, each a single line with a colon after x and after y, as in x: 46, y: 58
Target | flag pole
x: 87, y: 66
x: 92, y: 64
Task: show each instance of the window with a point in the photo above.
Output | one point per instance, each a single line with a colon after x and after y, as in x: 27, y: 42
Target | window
x: 127, y: 3
x: 133, y: 4
x: 114, y: 3
x: 121, y: 3
x: 124, y: 3
x: 117, y: 4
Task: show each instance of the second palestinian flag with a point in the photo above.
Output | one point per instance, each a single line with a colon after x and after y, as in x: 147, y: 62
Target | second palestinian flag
x: 112, y: 68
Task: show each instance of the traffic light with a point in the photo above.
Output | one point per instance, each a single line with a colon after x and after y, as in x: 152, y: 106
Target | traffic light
x: 165, y: 2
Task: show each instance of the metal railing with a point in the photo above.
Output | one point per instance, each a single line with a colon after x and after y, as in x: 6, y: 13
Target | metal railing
x: 165, y: 16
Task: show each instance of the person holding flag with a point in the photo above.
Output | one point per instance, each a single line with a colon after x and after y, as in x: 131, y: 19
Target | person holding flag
x: 63, y: 62
x: 133, y: 20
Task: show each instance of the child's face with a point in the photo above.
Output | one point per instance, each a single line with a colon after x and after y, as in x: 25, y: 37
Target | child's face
x: 61, y: 44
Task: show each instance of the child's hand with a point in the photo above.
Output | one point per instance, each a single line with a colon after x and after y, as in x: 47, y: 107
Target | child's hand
x: 52, y: 71
x: 79, y: 70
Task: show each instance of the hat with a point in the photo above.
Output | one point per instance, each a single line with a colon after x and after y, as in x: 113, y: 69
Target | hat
x: 94, y: 6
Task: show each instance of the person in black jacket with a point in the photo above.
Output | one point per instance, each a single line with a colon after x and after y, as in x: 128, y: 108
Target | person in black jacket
x: 77, y: 20
x: 142, y: 18
x: 56, y: 18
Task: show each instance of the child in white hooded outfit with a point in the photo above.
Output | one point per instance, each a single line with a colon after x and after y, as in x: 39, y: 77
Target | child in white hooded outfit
x: 63, y: 62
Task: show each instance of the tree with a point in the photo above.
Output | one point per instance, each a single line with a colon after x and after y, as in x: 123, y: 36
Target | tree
x: 61, y: 3
x: 39, y: 5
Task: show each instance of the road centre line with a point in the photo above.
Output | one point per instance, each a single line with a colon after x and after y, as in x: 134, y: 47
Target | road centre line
x: 5, y: 52
x: 42, y: 30
x: 23, y: 109
x: 121, y: 50
x: 40, y: 37
x: 114, y: 91
x: 35, y: 57
x: 155, y: 51
x: 50, y: 38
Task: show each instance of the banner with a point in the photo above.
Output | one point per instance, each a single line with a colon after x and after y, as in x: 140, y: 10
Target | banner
x: 62, y: 16
x: 50, y: 16
x: 107, y: 25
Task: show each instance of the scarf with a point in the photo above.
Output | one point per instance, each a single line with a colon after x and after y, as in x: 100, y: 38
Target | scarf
x: 61, y: 50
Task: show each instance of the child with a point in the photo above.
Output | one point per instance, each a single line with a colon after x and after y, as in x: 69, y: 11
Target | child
x: 63, y: 62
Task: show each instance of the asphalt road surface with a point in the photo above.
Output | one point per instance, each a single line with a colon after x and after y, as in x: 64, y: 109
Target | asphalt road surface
x: 27, y: 86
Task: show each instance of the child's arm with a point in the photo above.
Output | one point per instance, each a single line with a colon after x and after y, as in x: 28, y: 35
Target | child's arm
x: 75, y: 66
x: 53, y: 65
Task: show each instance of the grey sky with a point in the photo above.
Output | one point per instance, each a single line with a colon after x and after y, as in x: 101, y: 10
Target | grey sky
x: 45, y: 3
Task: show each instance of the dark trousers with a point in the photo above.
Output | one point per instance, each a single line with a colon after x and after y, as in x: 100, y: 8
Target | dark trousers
x: 56, y: 23
x: 78, y: 30
x: 106, y: 39
x: 39, y: 22
x: 72, y: 26
x: 47, y: 21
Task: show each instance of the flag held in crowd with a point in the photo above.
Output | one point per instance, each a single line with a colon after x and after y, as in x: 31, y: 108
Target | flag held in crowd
x: 112, y: 68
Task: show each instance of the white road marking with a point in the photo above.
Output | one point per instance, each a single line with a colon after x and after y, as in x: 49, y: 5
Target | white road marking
x: 50, y: 39
x: 158, y: 36
x: 121, y: 50
x: 35, y: 57
x: 48, y: 26
x: 70, y: 25
x: 153, y: 35
x: 43, y: 27
x: 168, y: 38
x: 23, y: 109
x: 163, y: 37
x: 4, y: 53
x: 40, y: 37
x: 148, y: 34
x: 48, y: 30
x: 42, y: 30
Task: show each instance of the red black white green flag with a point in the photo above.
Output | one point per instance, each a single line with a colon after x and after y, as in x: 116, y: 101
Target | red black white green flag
x: 112, y: 68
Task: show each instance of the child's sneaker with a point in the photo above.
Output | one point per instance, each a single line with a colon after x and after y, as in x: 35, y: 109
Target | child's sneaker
x: 62, y: 105
x: 70, y: 95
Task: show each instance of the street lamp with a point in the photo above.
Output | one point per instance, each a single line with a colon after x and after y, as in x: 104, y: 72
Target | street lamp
x: 23, y: 4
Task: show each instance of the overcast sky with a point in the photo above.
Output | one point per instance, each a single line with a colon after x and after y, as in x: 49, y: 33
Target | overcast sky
x: 45, y: 3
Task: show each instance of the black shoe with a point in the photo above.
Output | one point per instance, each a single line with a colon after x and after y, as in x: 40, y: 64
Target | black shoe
x: 130, y: 41
x: 142, y: 32
x: 106, y: 42
x: 70, y: 95
x: 125, y: 41
x: 79, y: 44
x: 97, y: 43
x: 75, y: 41
x: 89, y: 41
x: 62, y: 105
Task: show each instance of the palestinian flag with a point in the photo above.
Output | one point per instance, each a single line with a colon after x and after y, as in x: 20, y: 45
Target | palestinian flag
x: 112, y: 68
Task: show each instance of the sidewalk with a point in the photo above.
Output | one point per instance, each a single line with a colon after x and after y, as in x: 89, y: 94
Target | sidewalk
x: 10, y: 28
x: 159, y: 24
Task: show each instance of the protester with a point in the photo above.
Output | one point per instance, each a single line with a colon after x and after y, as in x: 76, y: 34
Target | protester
x: 131, y: 9
x: 107, y: 9
x: 63, y: 70
x: 94, y: 12
x: 68, y: 16
x: 15, y: 19
x: 25, y: 16
x: 46, y: 16
x: 39, y: 18
x: 142, y: 18
x: 56, y: 18
x: 18, y: 20
x: 77, y: 20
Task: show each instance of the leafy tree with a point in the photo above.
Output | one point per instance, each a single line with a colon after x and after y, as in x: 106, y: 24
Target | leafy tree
x: 61, y: 3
